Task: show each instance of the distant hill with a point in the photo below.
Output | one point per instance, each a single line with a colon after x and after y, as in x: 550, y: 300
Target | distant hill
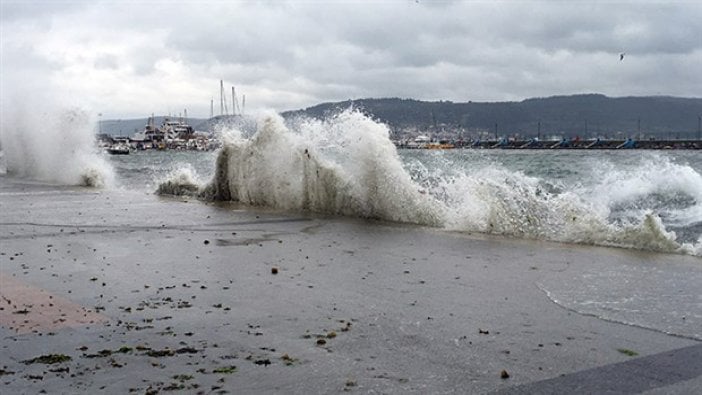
x: 589, y: 115
x: 578, y: 115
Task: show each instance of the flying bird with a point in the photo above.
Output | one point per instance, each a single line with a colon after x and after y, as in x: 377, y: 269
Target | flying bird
x: 621, y: 56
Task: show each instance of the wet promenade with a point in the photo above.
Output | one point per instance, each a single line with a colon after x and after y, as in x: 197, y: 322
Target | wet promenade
x: 120, y: 292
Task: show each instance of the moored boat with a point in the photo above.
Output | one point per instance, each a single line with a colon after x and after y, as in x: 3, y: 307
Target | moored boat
x: 118, y: 149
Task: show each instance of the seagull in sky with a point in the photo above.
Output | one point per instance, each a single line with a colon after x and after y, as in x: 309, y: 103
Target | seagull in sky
x: 621, y: 56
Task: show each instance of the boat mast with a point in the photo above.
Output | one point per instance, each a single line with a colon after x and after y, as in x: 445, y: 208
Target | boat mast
x: 234, y: 103
x: 221, y: 97
x: 224, y: 98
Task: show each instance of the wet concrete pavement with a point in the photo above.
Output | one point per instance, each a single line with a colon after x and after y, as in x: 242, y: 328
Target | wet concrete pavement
x: 125, y: 292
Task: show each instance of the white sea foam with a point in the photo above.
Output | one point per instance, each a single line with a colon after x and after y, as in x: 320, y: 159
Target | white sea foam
x: 3, y: 162
x: 346, y: 165
x: 181, y: 181
x: 54, y: 146
x: 496, y: 200
x: 652, y: 176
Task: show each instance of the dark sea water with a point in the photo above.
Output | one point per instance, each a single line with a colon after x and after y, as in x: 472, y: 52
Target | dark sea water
x: 638, y: 199
x: 347, y: 165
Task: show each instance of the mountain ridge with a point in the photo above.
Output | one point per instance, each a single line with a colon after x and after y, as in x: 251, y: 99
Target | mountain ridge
x: 585, y: 115
x: 582, y: 115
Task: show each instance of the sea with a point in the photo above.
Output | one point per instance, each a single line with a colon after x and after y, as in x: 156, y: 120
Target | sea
x: 347, y: 165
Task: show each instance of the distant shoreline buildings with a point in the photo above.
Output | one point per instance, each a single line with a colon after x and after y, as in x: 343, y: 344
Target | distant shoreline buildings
x: 574, y: 122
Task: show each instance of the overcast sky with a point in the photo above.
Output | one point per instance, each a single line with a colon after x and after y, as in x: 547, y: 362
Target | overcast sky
x: 132, y: 58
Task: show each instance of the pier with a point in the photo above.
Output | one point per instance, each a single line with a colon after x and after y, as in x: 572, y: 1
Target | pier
x: 598, y: 144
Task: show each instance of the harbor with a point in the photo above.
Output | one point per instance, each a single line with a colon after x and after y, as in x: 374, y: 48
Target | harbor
x: 174, y: 133
x: 178, y: 135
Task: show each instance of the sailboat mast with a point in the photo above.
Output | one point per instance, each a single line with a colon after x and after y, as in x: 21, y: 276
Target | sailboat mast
x: 233, y: 102
x: 221, y: 97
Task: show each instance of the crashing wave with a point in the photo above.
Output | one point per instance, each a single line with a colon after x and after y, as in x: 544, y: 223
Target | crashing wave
x: 55, y: 146
x: 180, y: 182
x: 347, y: 165
x: 354, y: 173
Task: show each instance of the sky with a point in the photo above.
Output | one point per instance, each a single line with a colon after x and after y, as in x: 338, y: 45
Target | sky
x: 128, y: 59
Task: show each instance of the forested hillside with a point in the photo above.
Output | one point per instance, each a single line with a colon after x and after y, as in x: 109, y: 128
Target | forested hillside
x: 583, y: 115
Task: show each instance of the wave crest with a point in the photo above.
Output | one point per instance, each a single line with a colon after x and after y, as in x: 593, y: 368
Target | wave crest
x: 54, y: 146
x: 346, y: 166
x: 182, y: 181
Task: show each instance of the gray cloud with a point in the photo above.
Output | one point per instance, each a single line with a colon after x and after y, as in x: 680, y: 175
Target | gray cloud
x: 27, y: 10
x: 288, y: 55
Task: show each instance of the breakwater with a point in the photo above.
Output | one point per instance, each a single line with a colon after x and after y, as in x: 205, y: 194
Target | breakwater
x: 557, y: 144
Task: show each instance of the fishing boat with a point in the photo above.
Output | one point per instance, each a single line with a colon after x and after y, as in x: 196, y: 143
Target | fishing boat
x: 442, y: 144
x: 176, y: 129
x: 118, y: 149
x: 170, y: 130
